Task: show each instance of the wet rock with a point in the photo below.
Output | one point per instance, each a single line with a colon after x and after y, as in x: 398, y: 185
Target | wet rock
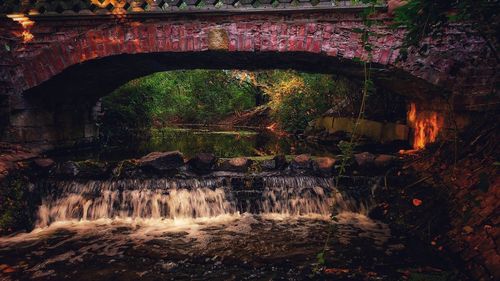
x: 324, y: 165
x: 384, y: 161
x: 83, y: 169
x: 277, y: 163
x: 365, y: 159
x: 162, y: 161
x: 127, y: 169
x: 41, y: 166
x: 301, y: 162
x: 69, y: 169
x: 280, y: 162
x: 168, y: 266
x: 268, y: 165
x: 92, y: 169
x: 44, y: 163
x: 239, y: 164
x: 203, y: 162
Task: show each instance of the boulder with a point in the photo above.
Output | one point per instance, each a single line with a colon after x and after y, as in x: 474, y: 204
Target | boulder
x: 384, y: 160
x: 365, y: 159
x: 162, y: 161
x: 324, y: 165
x: 239, y: 164
x: 202, y: 162
x: 301, y: 162
x: 277, y: 163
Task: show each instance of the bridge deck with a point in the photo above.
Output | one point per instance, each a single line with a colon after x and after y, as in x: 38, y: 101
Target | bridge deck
x: 72, y: 8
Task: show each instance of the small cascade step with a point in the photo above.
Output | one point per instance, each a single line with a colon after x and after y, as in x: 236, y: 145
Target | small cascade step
x: 192, y: 198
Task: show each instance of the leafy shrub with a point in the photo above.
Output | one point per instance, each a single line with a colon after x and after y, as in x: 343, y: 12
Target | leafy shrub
x: 195, y: 96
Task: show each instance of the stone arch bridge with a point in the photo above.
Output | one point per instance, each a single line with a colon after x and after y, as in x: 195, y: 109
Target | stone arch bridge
x: 58, y: 57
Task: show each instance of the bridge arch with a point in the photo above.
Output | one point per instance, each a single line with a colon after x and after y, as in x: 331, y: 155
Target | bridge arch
x: 82, y: 59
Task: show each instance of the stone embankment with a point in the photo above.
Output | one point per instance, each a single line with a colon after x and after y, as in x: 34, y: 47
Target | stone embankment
x: 174, y: 164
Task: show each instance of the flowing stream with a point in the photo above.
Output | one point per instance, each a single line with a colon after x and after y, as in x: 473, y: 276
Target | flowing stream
x: 202, y: 229
x: 172, y: 200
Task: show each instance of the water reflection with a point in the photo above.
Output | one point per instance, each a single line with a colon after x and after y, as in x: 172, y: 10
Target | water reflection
x: 222, y: 143
x: 225, y: 143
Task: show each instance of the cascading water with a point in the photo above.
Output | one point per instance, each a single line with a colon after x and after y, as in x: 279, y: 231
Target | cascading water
x: 223, y: 228
x: 189, y: 199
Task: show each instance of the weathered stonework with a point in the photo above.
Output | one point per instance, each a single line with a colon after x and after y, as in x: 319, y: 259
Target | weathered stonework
x: 218, y: 40
x: 73, y: 61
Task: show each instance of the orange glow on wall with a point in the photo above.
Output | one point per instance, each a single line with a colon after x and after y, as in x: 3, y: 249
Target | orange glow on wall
x: 27, y: 36
x: 26, y: 23
x: 426, y: 125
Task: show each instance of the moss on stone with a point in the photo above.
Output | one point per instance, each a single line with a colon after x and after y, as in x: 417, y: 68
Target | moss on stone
x: 16, y: 210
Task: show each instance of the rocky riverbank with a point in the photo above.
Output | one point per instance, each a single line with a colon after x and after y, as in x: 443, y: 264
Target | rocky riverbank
x: 174, y: 164
x: 455, y: 213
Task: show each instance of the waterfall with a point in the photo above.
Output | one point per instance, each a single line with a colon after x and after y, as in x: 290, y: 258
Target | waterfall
x: 190, y: 198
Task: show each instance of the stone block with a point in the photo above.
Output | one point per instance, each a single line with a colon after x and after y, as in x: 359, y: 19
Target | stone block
x: 218, y: 40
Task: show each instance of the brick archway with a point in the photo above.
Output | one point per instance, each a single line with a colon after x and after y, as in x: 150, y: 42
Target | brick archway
x: 328, y: 39
x: 84, y: 58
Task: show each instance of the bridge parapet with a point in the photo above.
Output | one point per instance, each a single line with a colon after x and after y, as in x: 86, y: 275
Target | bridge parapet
x: 120, y: 7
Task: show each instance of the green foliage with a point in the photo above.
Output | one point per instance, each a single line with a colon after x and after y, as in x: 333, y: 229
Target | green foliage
x: 320, y: 257
x: 15, y: 211
x: 205, y: 96
x: 196, y: 96
x: 297, y: 98
x: 346, y: 154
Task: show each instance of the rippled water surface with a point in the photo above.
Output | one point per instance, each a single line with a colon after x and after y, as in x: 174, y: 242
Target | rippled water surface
x: 224, y: 247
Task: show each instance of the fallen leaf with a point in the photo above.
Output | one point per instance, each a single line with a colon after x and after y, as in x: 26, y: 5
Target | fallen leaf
x: 467, y: 229
x: 416, y: 202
